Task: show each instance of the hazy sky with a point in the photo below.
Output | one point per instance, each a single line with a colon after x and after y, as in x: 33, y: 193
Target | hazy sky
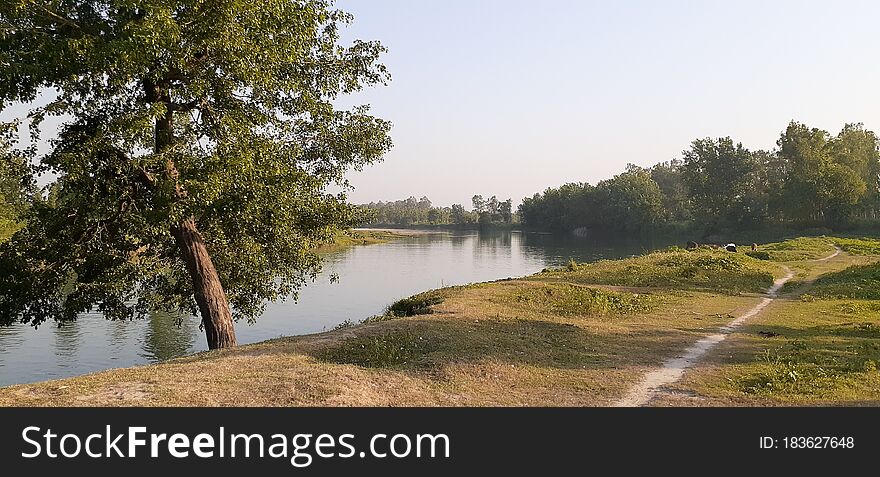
x: 510, y: 97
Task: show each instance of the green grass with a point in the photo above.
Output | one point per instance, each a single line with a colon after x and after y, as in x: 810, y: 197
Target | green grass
x: 391, y: 350
x: 679, y: 269
x: 565, y: 299
x: 809, y: 368
x: 860, y: 282
x: 801, y: 248
x: 859, y: 246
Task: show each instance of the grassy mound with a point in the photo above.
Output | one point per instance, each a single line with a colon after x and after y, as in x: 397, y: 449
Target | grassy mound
x: 676, y: 268
x: 859, y: 246
x: 860, y: 282
x: 801, y: 248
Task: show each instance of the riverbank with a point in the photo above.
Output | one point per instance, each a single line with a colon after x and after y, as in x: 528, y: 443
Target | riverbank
x: 355, y: 237
x: 582, y: 335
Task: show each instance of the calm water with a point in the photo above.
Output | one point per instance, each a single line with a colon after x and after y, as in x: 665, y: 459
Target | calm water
x: 370, y: 278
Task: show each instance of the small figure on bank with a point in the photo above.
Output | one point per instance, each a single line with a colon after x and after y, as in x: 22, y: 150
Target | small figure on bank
x: 754, y: 247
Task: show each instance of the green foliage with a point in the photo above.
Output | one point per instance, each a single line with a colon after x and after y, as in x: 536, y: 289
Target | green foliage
x: 812, y: 180
x: 221, y: 111
x: 677, y: 269
x: 414, y: 211
x: 417, y: 304
x: 574, y: 300
x: 828, y: 177
x: 629, y: 202
x: 860, y: 246
x: 721, y: 178
x: 860, y: 282
x: 16, y: 182
x: 389, y: 350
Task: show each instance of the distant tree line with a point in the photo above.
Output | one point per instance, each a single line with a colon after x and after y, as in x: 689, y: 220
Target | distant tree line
x: 414, y: 211
x: 811, y: 179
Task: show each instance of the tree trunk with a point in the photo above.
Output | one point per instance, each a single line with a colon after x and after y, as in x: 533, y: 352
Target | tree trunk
x: 209, y: 294
x: 207, y: 288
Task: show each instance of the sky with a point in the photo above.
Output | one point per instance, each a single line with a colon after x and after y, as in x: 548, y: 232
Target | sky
x: 507, y: 98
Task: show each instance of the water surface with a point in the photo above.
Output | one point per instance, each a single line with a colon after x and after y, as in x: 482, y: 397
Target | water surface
x: 370, y: 278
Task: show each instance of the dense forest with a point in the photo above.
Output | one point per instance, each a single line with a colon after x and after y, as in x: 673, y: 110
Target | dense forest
x: 414, y: 211
x: 811, y: 179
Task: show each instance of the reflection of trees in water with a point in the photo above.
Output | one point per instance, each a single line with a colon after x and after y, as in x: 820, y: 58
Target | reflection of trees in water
x: 557, y: 249
x: 492, y: 243
x: 68, y: 337
x: 457, y: 240
x: 495, y: 238
x: 11, y: 337
x: 169, y: 336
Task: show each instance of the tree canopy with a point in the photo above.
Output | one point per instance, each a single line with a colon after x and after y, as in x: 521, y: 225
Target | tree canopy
x: 195, y: 166
x: 811, y: 179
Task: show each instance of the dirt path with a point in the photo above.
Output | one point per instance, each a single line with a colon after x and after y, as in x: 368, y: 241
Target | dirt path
x: 673, y: 369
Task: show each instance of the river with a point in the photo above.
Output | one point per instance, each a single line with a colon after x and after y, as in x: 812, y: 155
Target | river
x: 369, y: 279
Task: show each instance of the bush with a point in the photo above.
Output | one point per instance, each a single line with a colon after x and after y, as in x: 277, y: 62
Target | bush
x: 416, y: 305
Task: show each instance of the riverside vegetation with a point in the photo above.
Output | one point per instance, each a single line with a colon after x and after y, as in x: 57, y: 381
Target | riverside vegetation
x: 576, y: 335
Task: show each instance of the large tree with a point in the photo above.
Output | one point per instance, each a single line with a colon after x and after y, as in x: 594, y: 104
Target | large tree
x: 827, y: 176
x: 200, y: 142
x: 718, y: 174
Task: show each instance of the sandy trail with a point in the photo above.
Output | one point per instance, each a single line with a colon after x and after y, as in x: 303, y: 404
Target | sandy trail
x: 673, y: 369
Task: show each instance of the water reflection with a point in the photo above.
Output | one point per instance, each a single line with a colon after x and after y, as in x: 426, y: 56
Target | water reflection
x: 370, y: 277
x: 169, y: 336
x: 68, y: 338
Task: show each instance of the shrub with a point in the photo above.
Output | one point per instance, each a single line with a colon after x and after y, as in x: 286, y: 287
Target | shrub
x: 416, y: 305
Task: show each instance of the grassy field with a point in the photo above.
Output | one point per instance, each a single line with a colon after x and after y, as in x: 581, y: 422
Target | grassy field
x: 819, y: 344
x: 576, y: 336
